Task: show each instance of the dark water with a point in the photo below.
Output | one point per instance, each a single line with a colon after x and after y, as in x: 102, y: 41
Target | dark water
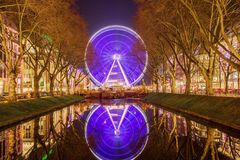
x: 118, y: 129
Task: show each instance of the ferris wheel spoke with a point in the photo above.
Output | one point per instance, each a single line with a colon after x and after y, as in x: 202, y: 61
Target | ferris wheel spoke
x: 122, y: 117
x: 109, y: 50
x: 110, y: 71
x: 123, y: 73
x: 110, y: 116
x: 105, y: 53
x: 124, y: 51
x: 106, y: 59
x: 131, y: 72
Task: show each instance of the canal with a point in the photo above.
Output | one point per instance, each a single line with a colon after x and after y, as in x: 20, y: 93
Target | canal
x: 117, y: 129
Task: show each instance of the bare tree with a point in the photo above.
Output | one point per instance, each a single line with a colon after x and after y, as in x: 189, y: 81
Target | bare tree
x: 158, y: 23
x: 68, y: 33
x: 228, y: 12
x: 207, y: 19
x: 227, y: 70
x: 20, y: 14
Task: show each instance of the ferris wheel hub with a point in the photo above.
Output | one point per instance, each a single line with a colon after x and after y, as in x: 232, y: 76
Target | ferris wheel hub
x: 117, y: 132
x: 116, y: 57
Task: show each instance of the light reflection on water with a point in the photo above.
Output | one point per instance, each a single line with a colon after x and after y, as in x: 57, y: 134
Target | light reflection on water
x: 116, y: 131
x: 61, y: 135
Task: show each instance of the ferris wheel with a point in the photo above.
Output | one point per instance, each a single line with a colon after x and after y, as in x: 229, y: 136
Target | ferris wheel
x: 116, y: 132
x: 116, y: 55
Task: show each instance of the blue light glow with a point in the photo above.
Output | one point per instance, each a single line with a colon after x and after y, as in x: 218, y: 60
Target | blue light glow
x: 116, y: 53
x: 119, y: 133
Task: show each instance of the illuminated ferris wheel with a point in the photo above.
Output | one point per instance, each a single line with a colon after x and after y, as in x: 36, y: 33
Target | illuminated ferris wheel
x: 116, y: 55
x: 116, y: 132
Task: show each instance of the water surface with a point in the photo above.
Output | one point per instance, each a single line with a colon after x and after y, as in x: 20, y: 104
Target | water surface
x: 117, y: 129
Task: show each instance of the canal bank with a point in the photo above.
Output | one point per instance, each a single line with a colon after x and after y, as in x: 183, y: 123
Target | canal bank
x: 62, y: 133
x: 17, y: 112
x: 224, y: 111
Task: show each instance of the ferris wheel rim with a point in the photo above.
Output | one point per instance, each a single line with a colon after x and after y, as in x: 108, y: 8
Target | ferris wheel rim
x: 122, y: 28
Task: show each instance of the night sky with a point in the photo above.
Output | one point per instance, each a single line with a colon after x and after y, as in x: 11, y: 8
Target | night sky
x: 101, y: 13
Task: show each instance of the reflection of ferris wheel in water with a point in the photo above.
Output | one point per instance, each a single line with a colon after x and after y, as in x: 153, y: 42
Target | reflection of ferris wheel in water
x: 116, y: 55
x: 116, y: 132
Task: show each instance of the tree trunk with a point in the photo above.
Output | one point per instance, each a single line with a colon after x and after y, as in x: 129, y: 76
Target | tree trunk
x: 12, y: 153
x: 12, y: 87
x: 156, y: 116
x: 68, y: 85
x: 156, y: 80
x: 36, y: 87
x: 220, y: 79
x: 74, y: 87
x: 188, y: 84
x: 164, y: 87
x: 36, y: 134
x: 226, y: 84
x: 51, y: 85
x: 61, y: 87
x: 209, y: 86
x: 174, y: 85
x: 157, y: 85
x: 190, y: 151
x: 238, y: 80
x: 209, y: 142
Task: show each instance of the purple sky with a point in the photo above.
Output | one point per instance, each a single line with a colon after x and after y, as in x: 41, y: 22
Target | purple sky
x: 101, y: 13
